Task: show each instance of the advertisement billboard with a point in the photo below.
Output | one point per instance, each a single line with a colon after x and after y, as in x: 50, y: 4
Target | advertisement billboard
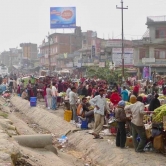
x: 117, y: 56
x: 62, y: 17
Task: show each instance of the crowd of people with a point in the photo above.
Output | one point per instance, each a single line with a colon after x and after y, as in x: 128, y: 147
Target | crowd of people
x: 94, y: 100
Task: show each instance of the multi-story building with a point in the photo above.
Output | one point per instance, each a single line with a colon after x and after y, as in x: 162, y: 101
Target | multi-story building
x: 11, y: 57
x: 29, y: 51
x: 59, y: 44
x: 5, y: 55
x: 91, y: 49
x: 150, y: 51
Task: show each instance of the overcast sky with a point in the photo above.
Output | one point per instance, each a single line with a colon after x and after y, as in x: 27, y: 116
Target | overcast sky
x: 29, y: 20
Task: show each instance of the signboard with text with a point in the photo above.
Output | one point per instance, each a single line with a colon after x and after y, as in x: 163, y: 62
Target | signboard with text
x: 62, y: 17
x: 117, y: 56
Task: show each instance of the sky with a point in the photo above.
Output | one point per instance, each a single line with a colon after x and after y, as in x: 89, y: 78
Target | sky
x: 24, y: 21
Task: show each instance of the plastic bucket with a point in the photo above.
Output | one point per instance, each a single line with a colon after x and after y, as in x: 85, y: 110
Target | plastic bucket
x: 33, y: 99
x: 84, y: 124
x: 67, y: 115
x: 33, y: 104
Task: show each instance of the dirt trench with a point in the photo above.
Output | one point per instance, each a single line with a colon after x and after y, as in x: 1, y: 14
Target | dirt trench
x: 81, y: 149
x: 67, y: 154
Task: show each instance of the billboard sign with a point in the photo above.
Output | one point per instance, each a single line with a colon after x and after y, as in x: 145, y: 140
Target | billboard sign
x: 117, y: 56
x: 62, y: 17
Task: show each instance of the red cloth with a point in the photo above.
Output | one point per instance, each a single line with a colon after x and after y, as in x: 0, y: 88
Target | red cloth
x: 18, y: 90
x: 115, y: 98
x: 136, y: 89
x: 161, y: 82
x: 44, y: 91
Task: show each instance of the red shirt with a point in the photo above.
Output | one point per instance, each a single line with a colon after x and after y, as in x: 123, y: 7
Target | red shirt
x: 136, y: 89
x: 115, y: 98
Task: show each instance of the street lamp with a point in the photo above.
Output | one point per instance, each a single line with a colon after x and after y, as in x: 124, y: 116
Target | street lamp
x: 122, y: 8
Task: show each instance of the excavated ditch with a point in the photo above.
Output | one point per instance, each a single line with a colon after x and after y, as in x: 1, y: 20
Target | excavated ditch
x: 66, y: 152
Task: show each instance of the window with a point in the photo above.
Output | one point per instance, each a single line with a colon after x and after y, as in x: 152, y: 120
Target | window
x: 162, y: 55
x: 142, y: 53
x: 55, y: 39
x: 156, y: 54
x: 161, y: 33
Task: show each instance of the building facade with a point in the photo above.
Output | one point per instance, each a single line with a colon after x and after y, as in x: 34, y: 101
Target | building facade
x: 11, y: 57
x: 29, y: 51
x: 150, y: 51
x: 59, y: 44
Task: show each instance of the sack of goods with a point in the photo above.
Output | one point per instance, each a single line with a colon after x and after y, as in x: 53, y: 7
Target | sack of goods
x: 158, y: 143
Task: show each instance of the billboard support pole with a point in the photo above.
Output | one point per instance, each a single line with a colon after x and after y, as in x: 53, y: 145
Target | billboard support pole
x: 122, y: 8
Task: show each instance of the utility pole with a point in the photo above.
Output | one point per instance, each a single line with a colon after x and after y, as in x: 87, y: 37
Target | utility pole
x: 11, y: 59
x: 122, y: 8
x: 49, y: 58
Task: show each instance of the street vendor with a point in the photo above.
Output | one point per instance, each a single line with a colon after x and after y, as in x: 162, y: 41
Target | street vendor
x: 24, y: 95
x: 155, y: 103
x: 137, y: 112
x: 84, y: 111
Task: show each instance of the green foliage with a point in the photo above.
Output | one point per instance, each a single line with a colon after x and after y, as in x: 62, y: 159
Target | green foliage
x: 105, y: 73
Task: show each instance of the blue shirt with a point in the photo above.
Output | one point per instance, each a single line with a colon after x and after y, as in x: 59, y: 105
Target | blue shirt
x: 125, y: 95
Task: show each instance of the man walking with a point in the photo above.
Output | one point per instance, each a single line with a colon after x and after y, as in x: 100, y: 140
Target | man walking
x: 54, y: 97
x: 100, y: 104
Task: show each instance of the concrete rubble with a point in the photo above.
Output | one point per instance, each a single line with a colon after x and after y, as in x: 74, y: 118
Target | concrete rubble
x: 9, y: 151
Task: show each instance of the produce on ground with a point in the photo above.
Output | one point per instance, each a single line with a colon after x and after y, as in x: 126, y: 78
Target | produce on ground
x: 159, y: 113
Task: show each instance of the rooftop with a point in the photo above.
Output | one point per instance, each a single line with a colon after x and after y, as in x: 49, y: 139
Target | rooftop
x: 156, y: 20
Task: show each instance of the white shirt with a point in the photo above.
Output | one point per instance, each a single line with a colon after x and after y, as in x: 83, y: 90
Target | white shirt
x: 68, y: 91
x: 138, y: 113
x: 54, y: 91
x: 72, y: 97
x: 101, y: 103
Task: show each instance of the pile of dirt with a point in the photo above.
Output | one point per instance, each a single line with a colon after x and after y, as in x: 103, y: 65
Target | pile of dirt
x: 22, y: 162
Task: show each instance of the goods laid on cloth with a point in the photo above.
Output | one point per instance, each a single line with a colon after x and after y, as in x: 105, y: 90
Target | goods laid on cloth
x: 159, y: 113
x: 62, y: 94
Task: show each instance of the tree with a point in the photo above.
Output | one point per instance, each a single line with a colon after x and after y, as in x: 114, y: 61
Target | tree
x: 105, y: 73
